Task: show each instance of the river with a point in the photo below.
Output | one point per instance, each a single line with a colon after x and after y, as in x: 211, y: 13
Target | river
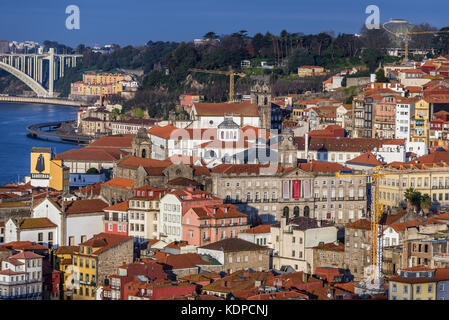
x: 15, y: 146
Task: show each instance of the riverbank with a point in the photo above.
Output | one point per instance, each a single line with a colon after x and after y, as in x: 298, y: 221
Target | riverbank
x: 16, y: 146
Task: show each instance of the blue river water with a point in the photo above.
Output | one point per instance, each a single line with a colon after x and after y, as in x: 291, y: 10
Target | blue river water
x: 15, y: 146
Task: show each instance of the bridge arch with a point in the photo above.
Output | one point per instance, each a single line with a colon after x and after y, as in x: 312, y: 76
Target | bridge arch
x: 30, y: 82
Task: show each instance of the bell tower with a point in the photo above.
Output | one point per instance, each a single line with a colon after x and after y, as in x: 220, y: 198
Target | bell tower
x: 287, y: 150
x: 141, y: 144
x: 261, y: 95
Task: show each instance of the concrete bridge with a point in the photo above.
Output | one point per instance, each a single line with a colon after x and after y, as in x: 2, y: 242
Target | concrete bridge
x: 29, y: 68
x: 56, y: 101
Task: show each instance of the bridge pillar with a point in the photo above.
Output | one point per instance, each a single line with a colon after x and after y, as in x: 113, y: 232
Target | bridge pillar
x: 51, y: 71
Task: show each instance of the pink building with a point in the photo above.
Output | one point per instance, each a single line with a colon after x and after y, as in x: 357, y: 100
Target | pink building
x: 208, y: 224
x: 116, y: 218
x: 174, y: 205
x: 384, y: 121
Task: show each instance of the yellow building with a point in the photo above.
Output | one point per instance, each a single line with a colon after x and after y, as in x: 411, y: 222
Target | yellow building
x: 98, y: 258
x: 48, y: 172
x: 64, y: 263
x: 427, y: 178
x: 416, y: 283
x: 99, y: 84
x: 310, y: 71
x: 420, y: 125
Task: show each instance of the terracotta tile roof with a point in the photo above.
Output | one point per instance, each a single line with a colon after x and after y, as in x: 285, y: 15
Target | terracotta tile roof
x: 263, y: 228
x: 116, y: 141
x: 331, y: 246
x: 220, y: 109
x: 104, y: 241
x: 441, y: 274
x: 163, y: 132
x: 201, y: 277
x: 240, y: 283
x: 134, y: 162
x: 9, y: 272
x: 281, y: 295
x: 84, y: 206
x: 233, y: 245
x: 183, y: 261
x: 67, y: 250
x: 36, y: 223
x: 121, y: 206
x: 14, y: 262
x: 207, y: 212
x: 417, y: 268
x: 94, y: 189
x: 366, y: 159
x: 23, y: 245
x: 435, y: 157
x: 345, y: 144
x: 92, y: 154
x: 241, y: 168
x: 348, y: 286
x: 26, y: 255
x: 401, y: 226
x: 321, y: 166
x: 360, y: 224
x: 120, y: 183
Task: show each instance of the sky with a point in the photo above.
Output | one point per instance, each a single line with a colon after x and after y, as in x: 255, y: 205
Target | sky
x: 135, y: 22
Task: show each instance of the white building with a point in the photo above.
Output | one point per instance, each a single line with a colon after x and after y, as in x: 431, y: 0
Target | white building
x: 210, y: 115
x: 260, y: 235
x: 21, y: 277
x: 405, y: 108
x: 39, y: 230
x: 391, y: 237
x: 174, y: 205
x: 76, y: 221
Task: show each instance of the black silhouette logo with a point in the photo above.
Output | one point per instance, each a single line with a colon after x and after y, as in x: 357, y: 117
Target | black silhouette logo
x: 40, y: 164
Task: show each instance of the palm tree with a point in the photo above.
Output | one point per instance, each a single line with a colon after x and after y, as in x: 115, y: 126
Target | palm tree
x: 426, y: 203
x: 413, y: 198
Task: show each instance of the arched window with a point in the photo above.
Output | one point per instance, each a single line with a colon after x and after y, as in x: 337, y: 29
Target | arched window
x: 144, y: 153
x: 306, y: 211
x: 296, y: 212
x: 265, y: 101
x: 286, y: 212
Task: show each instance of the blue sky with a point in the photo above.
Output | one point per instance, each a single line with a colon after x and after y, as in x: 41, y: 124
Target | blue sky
x: 137, y: 21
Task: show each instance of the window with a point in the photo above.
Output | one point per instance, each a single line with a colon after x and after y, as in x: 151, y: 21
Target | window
x: 418, y: 289
x: 405, y: 289
x: 429, y: 288
x: 40, y: 236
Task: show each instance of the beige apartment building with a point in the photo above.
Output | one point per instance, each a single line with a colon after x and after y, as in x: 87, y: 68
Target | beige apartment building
x: 293, y: 241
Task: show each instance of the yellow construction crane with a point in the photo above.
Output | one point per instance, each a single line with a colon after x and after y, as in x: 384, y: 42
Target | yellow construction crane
x: 229, y: 73
x: 376, y: 214
x: 407, y: 39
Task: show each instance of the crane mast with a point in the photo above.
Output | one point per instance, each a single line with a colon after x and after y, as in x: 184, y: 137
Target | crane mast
x: 375, y: 232
x: 229, y: 73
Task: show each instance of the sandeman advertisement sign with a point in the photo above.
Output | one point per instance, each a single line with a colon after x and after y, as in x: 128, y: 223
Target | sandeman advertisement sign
x: 40, y: 164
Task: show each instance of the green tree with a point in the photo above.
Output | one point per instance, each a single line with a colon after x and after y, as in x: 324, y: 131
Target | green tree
x: 92, y: 171
x: 138, y: 113
x: 426, y: 203
x: 413, y: 198
x: 371, y: 57
x: 380, y: 76
x: 300, y: 57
